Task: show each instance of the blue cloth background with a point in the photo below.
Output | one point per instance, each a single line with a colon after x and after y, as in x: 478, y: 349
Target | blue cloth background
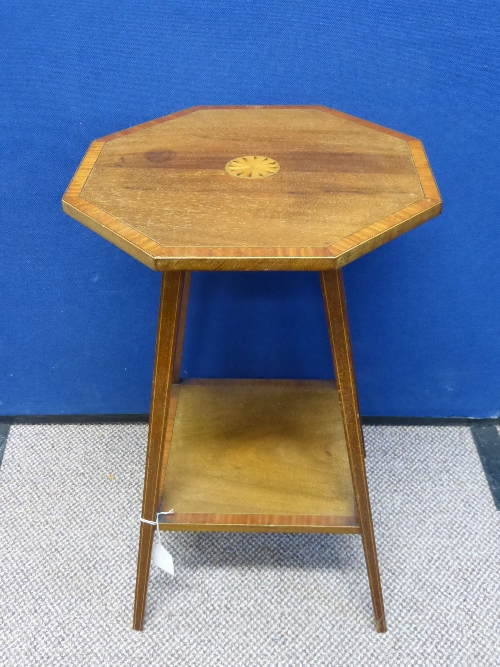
x: 78, y: 316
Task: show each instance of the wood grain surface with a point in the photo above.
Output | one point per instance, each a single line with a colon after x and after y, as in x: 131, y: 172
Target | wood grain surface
x: 161, y: 192
x: 258, y: 455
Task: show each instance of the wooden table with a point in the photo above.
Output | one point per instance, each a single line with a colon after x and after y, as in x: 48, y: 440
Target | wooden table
x: 295, y: 188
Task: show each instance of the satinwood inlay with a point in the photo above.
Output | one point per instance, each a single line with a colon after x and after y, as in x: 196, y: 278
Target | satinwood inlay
x: 252, y: 166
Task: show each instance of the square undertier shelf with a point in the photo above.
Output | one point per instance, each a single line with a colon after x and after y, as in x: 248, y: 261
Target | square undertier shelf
x: 257, y: 455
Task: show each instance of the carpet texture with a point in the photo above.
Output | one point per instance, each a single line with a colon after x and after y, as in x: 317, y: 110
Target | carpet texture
x: 70, y: 499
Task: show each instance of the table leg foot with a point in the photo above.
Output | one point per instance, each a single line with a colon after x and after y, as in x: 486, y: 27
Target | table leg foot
x: 142, y: 579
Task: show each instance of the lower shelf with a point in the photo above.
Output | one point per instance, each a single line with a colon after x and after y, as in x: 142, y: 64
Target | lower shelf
x: 257, y: 455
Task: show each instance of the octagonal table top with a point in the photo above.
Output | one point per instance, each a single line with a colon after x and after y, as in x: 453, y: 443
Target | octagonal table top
x: 253, y: 188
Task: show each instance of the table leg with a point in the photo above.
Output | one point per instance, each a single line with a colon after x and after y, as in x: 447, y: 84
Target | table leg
x: 336, y: 311
x: 168, y: 327
x: 179, y: 343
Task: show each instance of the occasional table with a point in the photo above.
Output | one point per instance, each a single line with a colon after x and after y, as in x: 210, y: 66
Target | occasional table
x: 255, y: 188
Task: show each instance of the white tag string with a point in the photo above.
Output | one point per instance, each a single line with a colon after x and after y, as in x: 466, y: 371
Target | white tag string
x: 155, y: 523
x: 151, y: 523
x: 160, y: 556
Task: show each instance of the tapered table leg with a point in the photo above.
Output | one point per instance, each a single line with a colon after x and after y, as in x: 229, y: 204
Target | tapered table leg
x: 179, y: 343
x: 336, y: 311
x: 168, y: 328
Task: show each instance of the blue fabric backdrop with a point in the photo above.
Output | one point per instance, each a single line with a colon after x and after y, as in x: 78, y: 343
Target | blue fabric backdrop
x: 78, y: 315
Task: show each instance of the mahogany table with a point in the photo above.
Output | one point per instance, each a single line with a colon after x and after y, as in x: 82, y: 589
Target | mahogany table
x: 294, y: 188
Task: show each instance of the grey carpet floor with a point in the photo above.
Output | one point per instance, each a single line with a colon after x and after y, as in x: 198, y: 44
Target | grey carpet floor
x: 70, y: 500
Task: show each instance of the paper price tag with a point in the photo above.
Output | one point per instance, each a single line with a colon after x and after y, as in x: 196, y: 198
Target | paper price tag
x: 162, y: 558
